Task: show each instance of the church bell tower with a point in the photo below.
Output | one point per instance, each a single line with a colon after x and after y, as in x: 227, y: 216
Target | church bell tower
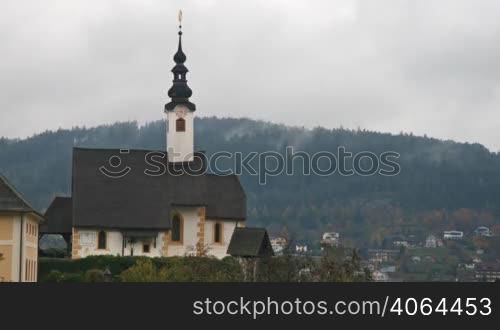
x: 180, y: 111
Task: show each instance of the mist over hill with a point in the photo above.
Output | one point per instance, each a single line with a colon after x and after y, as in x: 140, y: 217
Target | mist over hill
x: 441, y: 185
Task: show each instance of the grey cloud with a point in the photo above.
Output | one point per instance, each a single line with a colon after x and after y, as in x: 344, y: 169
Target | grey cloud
x: 427, y: 67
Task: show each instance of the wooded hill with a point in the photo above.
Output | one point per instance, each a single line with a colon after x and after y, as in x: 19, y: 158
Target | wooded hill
x: 442, y: 184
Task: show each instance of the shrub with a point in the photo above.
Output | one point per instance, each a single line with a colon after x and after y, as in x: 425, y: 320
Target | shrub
x: 53, y: 276
x: 342, y: 267
x: 183, y: 269
x: 143, y: 271
x: 115, y: 264
x: 94, y: 276
x: 72, y: 278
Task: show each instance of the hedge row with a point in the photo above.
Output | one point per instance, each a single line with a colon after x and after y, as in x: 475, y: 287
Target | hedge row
x: 188, y: 268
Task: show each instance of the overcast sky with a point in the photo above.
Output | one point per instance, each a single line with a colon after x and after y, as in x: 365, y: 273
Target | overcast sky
x: 422, y: 66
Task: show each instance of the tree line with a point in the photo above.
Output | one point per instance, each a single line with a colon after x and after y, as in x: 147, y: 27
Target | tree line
x: 442, y: 184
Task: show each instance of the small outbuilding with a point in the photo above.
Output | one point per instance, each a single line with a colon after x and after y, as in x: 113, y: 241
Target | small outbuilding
x: 249, y: 245
x: 59, y: 218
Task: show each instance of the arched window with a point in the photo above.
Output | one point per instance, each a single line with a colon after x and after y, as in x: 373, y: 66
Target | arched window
x: 101, y: 240
x: 176, y: 228
x: 218, y: 232
x: 180, y: 125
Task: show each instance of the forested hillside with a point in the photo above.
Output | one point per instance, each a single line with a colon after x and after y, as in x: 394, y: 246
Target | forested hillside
x: 442, y: 184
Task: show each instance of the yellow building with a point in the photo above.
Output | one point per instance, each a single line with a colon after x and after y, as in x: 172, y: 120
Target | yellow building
x: 18, y: 236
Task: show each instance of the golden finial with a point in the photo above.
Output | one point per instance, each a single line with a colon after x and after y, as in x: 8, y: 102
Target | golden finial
x: 179, y: 17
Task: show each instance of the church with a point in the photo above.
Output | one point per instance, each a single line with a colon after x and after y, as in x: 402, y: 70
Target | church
x: 154, y: 203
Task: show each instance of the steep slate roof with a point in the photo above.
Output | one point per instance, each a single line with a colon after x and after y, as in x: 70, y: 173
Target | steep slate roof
x: 11, y: 200
x: 59, y: 217
x: 250, y: 242
x: 140, y: 201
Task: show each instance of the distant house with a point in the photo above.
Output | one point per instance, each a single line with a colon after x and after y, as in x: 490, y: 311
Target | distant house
x: 381, y: 255
x: 431, y: 241
x: 401, y: 243
x: 379, y: 276
x: 409, y: 241
x: 453, y: 235
x: 483, y: 231
x: 330, y: 239
x: 18, y: 236
x: 301, y: 248
x: 279, y: 244
x: 470, y: 266
x: 489, y: 272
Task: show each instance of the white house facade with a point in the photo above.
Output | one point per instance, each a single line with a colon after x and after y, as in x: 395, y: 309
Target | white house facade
x: 195, y: 235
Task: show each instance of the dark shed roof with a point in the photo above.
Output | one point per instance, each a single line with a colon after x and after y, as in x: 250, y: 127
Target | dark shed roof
x: 59, y: 217
x: 139, y: 201
x: 11, y: 200
x: 250, y: 242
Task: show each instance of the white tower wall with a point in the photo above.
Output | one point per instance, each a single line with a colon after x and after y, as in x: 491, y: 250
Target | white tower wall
x: 180, y: 145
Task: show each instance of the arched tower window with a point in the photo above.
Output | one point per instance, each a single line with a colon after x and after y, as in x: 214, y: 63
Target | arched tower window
x: 177, y: 230
x: 101, y: 240
x: 180, y: 125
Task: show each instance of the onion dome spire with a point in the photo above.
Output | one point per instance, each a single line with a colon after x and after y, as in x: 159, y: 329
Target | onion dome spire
x: 180, y: 91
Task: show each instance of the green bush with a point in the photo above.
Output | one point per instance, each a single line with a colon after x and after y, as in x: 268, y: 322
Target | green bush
x: 59, y: 277
x: 53, y: 276
x: 94, y: 276
x: 143, y: 271
x: 341, y: 266
x: 72, y: 278
x: 200, y: 269
x: 115, y: 264
x: 176, y: 269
